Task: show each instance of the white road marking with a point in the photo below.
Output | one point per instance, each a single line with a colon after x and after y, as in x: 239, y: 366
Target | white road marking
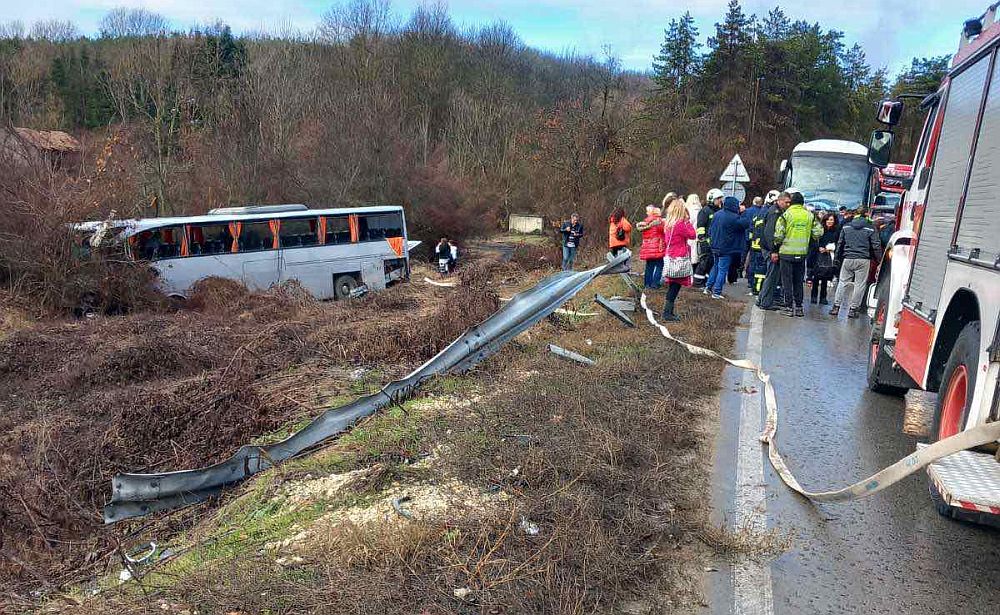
x: 752, y: 590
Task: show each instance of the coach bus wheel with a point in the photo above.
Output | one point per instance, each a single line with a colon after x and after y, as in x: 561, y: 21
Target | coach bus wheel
x: 879, y: 362
x: 343, y: 285
x: 957, y: 384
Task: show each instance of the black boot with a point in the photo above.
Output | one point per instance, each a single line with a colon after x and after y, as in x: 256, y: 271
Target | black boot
x: 853, y: 313
x: 668, y: 312
x: 835, y: 310
x: 799, y: 312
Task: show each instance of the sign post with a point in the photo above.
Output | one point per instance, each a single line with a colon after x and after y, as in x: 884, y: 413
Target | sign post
x: 734, y: 176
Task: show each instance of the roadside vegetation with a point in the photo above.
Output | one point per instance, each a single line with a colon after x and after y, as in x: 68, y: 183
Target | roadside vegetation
x: 530, y: 484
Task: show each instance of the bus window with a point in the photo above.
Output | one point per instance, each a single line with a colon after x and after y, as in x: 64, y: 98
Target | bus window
x: 297, y: 232
x: 379, y: 226
x: 255, y: 236
x: 338, y: 229
x: 210, y: 239
x: 157, y: 243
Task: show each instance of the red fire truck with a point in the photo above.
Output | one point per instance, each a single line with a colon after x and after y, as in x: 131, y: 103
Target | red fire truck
x: 888, y: 186
x: 935, y: 306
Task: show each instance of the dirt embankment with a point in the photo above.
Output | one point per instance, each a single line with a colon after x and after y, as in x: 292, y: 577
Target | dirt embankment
x: 84, y: 399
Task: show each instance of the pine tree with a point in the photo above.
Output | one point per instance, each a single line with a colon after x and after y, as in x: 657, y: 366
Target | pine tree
x: 677, y: 63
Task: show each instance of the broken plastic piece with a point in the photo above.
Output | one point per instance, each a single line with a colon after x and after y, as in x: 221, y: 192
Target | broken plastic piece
x: 397, y: 505
x: 611, y: 307
x: 569, y: 354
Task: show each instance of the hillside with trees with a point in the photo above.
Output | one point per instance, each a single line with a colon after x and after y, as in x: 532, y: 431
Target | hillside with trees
x: 460, y: 126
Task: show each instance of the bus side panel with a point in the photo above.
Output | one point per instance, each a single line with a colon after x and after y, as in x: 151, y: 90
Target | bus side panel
x: 950, y: 166
x: 179, y: 275
x: 260, y: 269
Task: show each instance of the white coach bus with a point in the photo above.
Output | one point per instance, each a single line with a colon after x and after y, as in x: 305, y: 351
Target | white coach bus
x: 830, y: 173
x: 330, y: 252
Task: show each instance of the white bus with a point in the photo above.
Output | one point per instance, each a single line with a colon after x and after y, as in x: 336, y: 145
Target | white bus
x: 830, y: 173
x: 330, y: 252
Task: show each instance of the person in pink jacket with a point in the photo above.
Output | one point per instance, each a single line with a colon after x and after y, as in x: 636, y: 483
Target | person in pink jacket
x: 677, y: 231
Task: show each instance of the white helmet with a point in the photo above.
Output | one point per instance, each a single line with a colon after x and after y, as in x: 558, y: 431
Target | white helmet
x: 771, y: 197
x: 713, y: 194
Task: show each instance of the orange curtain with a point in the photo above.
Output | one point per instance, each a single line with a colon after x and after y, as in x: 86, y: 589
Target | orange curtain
x: 235, y: 228
x: 352, y: 221
x: 396, y: 243
x: 275, y: 230
x: 185, y: 246
x: 322, y: 230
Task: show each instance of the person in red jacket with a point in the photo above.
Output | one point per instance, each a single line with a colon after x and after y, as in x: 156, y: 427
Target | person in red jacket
x: 619, y: 231
x: 653, y: 246
x: 677, y: 232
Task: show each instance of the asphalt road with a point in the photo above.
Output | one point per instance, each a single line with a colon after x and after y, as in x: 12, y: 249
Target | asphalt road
x: 889, y: 553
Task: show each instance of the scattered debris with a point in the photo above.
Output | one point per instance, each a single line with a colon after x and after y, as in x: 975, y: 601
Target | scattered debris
x: 531, y: 529
x: 441, y: 284
x: 462, y: 592
x: 569, y: 354
x: 397, y: 505
x: 614, y: 308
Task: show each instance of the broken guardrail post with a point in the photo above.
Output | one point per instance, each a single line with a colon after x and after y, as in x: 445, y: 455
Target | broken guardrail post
x: 614, y: 309
x: 569, y: 354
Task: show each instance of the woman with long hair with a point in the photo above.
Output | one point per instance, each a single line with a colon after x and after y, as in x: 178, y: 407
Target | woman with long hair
x: 677, y: 269
x: 619, y: 231
x: 823, y: 270
x: 652, y: 247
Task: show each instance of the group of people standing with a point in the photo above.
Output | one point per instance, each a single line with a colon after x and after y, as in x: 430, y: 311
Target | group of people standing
x: 776, y: 242
x: 798, y: 244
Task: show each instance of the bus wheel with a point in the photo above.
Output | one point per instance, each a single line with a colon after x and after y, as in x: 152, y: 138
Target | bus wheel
x: 343, y: 285
x: 957, y: 384
x: 880, y: 369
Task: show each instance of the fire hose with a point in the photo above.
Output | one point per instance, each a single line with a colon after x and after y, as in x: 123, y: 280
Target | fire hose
x: 919, y: 459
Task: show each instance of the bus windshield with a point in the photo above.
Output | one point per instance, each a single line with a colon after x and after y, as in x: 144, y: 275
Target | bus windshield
x: 830, y: 181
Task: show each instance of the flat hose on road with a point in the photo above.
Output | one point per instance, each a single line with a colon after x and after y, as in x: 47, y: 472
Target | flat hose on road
x: 977, y: 436
x: 134, y: 495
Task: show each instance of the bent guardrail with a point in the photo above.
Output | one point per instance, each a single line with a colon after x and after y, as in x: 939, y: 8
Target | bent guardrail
x: 134, y: 495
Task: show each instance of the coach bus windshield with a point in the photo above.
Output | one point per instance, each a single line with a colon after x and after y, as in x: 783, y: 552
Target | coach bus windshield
x: 830, y: 181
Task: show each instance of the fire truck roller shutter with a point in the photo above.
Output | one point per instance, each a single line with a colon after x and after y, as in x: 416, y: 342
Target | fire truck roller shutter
x: 947, y: 182
x: 980, y: 223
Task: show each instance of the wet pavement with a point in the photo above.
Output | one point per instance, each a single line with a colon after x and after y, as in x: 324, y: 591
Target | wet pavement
x: 888, y: 553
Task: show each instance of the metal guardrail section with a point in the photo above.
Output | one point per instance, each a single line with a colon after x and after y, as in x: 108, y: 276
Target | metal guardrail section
x: 134, y: 495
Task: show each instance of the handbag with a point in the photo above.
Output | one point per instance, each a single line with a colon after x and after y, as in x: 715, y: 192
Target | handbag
x: 676, y: 266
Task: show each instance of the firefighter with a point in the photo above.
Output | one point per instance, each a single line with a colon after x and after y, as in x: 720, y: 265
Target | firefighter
x: 713, y: 203
x: 760, y: 256
x: 768, y: 275
x: 794, y: 230
x: 753, y: 212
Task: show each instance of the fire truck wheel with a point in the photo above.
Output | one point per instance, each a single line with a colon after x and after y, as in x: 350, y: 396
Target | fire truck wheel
x: 880, y: 368
x: 957, y: 384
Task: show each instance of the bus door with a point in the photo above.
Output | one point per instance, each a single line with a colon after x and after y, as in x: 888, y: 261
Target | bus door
x: 258, y: 245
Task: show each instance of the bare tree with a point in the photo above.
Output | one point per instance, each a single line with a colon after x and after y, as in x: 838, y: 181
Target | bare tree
x: 54, y: 30
x: 12, y: 30
x: 125, y: 22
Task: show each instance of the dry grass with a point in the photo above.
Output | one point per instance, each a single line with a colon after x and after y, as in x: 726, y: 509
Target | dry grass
x: 83, y: 400
x: 607, y: 463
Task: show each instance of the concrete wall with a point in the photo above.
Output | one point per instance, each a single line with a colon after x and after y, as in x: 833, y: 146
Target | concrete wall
x: 524, y: 223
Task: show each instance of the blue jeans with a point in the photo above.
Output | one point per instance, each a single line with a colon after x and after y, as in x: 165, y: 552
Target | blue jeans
x: 654, y: 273
x: 717, y: 277
x: 569, y: 256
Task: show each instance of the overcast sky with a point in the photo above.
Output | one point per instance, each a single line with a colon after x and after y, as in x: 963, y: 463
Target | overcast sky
x: 891, y: 31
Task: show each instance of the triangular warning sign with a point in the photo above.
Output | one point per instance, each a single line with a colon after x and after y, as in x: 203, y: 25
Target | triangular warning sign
x: 735, y: 171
